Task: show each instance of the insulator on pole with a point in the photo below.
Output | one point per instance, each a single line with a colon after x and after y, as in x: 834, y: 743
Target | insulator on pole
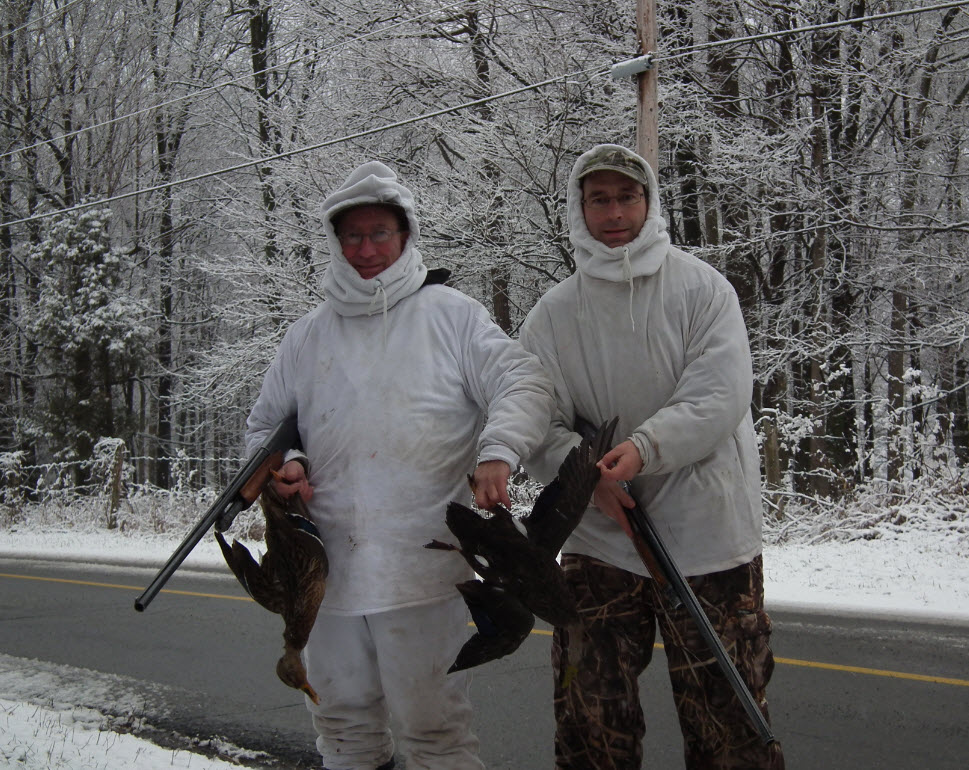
x: 631, y: 67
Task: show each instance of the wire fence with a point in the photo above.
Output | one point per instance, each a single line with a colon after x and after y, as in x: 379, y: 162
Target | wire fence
x: 109, y: 467
x: 105, y: 489
x: 101, y: 493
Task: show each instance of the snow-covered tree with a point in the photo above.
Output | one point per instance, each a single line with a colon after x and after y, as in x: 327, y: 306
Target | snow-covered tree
x: 90, y: 337
x: 823, y: 171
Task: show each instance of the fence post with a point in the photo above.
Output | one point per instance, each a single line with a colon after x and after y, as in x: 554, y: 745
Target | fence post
x: 11, y: 470
x: 115, y: 482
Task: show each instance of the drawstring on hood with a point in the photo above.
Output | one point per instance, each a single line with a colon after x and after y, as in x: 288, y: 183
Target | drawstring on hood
x: 373, y: 183
x: 627, y: 275
x: 379, y: 293
x: 641, y: 257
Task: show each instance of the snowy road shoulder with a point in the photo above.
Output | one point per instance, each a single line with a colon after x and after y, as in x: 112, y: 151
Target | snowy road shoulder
x: 907, y: 577
x: 60, y: 717
x: 913, y: 574
x: 35, y: 736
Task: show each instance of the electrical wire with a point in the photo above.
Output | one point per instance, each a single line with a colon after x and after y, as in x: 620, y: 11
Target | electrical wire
x: 242, y: 78
x: 670, y: 56
x: 678, y: 53
x: 47, y: 15
x: 591, y: 72
x: 309, y: 148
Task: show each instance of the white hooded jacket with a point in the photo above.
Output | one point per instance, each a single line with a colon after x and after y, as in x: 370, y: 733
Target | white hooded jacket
x: 651, y: 334
x: 392, y: 384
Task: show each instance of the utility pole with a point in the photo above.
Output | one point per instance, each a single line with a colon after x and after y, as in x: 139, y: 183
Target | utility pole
x: 647, y: 131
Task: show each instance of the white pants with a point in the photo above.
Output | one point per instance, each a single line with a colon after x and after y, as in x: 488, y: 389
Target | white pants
x: 367, y: 667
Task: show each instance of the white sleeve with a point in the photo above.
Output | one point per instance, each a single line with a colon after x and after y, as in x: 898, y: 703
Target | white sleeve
x: 509, y: 384
x: 543, y: 464
x: 712, y: 395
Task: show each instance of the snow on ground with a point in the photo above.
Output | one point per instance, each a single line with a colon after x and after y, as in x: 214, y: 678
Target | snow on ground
x: 916, y: 569
x: 34, y: 736
x: 42, y: 727
x: 907, y: 563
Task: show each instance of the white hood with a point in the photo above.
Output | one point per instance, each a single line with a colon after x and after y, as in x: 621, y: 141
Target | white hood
x: 351, y: 295
x: 642, y: 256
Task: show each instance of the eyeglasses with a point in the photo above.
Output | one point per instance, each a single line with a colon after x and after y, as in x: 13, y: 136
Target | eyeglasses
x: 376, y: 238
x: 625, y: 201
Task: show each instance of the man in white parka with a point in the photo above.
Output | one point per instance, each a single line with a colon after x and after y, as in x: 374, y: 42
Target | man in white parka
x: 647, y: 332
x: 402, y: 387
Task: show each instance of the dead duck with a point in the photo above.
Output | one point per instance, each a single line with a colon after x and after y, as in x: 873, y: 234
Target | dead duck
x: 289, y: 580
x: 501, y: 621
x: 519, y: 555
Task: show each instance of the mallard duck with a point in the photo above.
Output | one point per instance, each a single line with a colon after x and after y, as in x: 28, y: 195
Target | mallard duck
x: 519, y: 555
x: 290, y: 579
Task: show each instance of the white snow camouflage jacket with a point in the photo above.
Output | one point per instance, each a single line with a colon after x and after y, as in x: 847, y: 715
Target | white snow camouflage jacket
x: 392, y: 384
x: 662, y: 344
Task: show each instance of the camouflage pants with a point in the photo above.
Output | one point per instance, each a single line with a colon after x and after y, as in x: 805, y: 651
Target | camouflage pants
x: 599, y: 719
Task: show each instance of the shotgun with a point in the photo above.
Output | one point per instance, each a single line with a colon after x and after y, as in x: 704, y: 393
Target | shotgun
x: 661, y: 567
x: 241, y: 492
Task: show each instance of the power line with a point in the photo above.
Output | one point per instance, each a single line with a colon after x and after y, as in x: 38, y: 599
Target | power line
x: 224, y: 84
x: 309, y: 148
x: 591, y: 72
x: 678, y: 53
x: 55, y: 12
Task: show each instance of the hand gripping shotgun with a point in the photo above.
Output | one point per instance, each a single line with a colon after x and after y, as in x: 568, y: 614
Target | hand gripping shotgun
x: 661, y: 567
x: 241, y: 492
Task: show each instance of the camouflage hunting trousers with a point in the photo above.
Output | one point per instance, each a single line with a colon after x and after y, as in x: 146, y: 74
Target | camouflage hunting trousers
x: 599, y: 720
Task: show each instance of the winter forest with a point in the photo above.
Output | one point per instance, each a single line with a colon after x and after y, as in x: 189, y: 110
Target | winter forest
x: 162, y: 163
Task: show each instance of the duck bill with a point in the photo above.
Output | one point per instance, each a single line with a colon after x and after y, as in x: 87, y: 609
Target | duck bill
x: 310, y: 693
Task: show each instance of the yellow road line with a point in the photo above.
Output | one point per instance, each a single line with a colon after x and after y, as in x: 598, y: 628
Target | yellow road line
x: 538, y: 631
x: 127, y: 588
x: 873, y: 672
x: 839, y: 667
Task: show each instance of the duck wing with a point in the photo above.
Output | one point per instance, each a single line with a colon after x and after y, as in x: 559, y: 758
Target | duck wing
x: 500, y: 552
x: 261, y: 584
x: 309, y: 567
x: 560, y: 506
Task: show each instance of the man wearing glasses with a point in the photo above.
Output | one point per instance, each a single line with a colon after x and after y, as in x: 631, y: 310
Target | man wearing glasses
x: 402, y: 387
x: 650, y: 333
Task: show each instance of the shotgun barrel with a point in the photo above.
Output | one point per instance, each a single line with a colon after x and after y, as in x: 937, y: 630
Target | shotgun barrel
x: 241, y: 492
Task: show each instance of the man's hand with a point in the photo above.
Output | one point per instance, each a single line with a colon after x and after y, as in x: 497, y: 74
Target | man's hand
x: 622, y: 463
x: 291, y: 479
x: 612, y: 500
x: 490, y: 484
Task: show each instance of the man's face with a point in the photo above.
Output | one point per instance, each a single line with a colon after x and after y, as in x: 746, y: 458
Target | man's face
x: 614, y: 207
x: 359, y: 228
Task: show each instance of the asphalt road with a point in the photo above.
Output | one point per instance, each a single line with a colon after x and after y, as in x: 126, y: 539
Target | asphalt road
x: 847, y: 692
